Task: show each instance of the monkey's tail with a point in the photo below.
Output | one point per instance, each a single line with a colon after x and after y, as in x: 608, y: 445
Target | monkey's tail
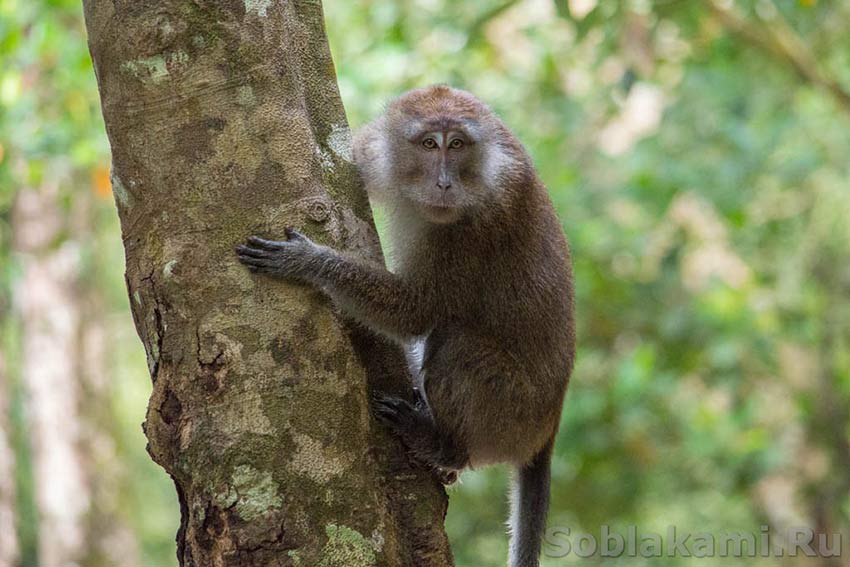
x: 529, y: 504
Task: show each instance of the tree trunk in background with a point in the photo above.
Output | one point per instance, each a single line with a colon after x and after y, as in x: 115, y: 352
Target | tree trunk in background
x: 50, y: 319
x: 9, y: 551
x: 109, y: 539
x: 225, y: 120
x: 67, y: 397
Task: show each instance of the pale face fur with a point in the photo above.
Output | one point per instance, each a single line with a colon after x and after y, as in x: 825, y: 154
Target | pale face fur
x: 437, y: 152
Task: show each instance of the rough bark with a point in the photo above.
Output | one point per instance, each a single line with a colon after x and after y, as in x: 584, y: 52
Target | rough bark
x: 225, y: 120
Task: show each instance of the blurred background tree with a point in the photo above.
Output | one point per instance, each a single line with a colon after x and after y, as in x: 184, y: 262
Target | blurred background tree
x: 698, y: 156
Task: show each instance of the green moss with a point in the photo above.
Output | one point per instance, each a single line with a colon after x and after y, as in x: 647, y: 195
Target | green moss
x: 258, y: 7
x: 295, y: 556
x: 168, y: 270
x: 119, y: 191
x: 245, y: 96
x: 257, y: 492
x: 339, y: 141
x: 152, y: 68
x: 179, y: 57
x: 226, y: 498
x: 346, y: 548
x: 156, y: 68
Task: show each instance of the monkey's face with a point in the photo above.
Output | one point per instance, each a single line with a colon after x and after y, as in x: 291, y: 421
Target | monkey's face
x: 439, y: 169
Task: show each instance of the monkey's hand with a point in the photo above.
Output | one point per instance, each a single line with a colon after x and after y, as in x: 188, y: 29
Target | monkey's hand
x: 297, y: 257
x: 382, y: 300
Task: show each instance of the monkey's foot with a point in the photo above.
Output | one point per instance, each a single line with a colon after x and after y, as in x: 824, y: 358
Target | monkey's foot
x: 399, y: 415
x: 414, y: 425
x: 419, y: 400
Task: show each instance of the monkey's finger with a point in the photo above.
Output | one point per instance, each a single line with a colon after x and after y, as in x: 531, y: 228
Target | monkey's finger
x: 293, y: 234
x: 401, y: 404
x: 418, y: 398
x: 379, y: 397
x: 398, y: 404
x: 243, y: 250
x: 379, y: 400
x: 267, y: 244
x: 394, y: 412
x: 386, y: 414
x: 258, y: 262
x: 257, y: 269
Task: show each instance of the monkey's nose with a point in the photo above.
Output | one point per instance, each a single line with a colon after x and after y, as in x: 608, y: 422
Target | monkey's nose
x: 444, y: 185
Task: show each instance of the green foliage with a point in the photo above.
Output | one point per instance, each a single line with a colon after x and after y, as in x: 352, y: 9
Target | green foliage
x: 702, y: 181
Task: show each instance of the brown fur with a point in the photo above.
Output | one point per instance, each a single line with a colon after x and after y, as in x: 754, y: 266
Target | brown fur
x: 481, y: 275
x: 497, y: 282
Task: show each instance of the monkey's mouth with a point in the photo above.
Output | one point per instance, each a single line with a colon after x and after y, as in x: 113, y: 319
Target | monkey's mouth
x: 440, y: 214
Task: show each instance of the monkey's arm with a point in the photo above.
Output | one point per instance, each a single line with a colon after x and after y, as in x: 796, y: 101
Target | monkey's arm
x: 375, y: 296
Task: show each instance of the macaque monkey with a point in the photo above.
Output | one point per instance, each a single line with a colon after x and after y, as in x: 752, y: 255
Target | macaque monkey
x: 480, y: 291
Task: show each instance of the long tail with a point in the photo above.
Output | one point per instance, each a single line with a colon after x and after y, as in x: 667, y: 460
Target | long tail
x: 529, y: 504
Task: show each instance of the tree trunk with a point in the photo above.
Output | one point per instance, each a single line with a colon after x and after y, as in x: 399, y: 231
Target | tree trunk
x: 62, y: 370
x: 50, y: 315
x: 109, y: 539
x: 225, y: 120
x: 9, y: 552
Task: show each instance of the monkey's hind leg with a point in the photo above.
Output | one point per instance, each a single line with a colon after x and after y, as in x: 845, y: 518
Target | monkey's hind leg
x: 417, y: 430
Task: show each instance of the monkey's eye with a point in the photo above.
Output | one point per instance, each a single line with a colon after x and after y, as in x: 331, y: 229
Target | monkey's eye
x: 429, y: 143
x: 456, y: 144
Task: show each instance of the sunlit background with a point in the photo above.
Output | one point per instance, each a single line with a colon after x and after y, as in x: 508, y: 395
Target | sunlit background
x: 698, y: 154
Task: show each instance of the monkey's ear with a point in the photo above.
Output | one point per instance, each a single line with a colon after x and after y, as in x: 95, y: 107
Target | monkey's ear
x: 361, y: 141
x: 372, y: 156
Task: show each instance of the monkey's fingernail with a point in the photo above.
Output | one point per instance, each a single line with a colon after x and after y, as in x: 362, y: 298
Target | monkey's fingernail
x: 293, y: 234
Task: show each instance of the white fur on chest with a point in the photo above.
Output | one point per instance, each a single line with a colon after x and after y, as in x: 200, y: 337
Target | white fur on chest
x: 406, y: 232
